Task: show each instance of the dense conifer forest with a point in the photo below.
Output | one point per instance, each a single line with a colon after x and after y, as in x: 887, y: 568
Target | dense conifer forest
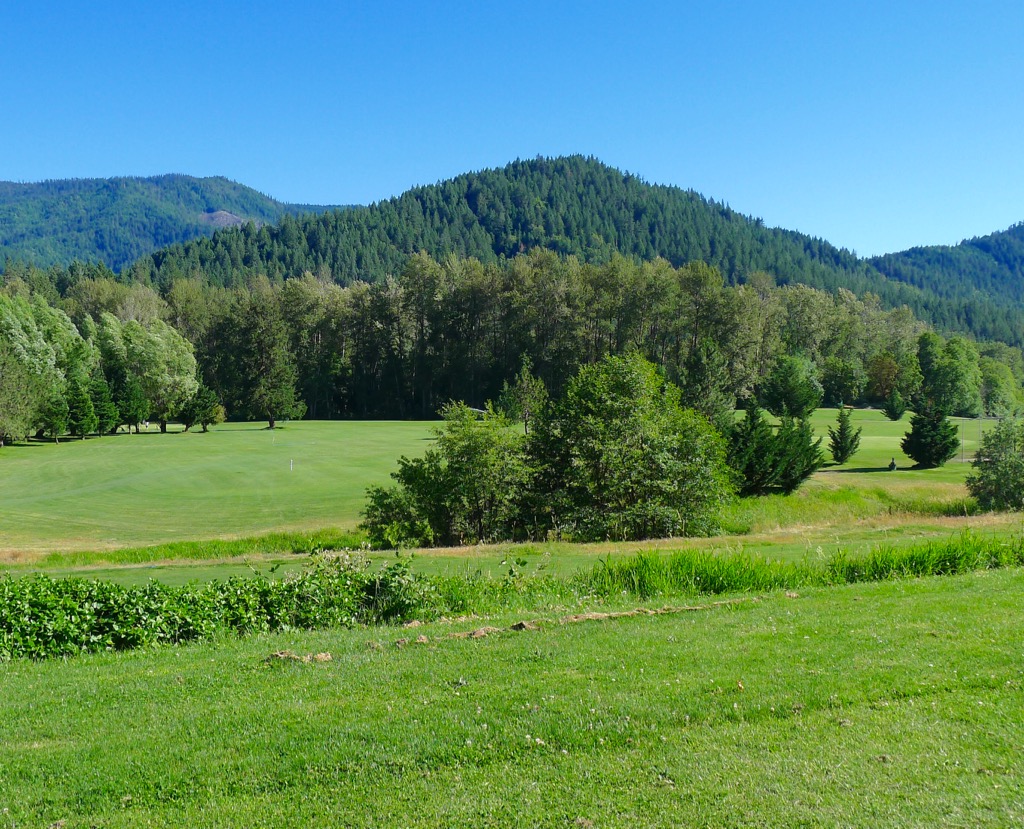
x: 118, y: 220
x: 992, y: 265
x: 572, y: 205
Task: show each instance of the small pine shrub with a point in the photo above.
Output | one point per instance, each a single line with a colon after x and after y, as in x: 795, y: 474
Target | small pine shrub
x: 932, y: 439
x: 894, y: 406
x: 844, y: 440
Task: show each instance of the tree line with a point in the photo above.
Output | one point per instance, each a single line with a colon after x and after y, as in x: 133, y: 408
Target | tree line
x: 462, y: 329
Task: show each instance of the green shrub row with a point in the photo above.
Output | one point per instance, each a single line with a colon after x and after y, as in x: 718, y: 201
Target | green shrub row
x: 45, y: 617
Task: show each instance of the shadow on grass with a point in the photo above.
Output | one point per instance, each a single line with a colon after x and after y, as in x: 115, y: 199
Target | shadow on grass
x: 870, y: 469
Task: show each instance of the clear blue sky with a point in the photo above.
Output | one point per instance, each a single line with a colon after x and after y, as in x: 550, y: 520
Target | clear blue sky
x: 875, y: 125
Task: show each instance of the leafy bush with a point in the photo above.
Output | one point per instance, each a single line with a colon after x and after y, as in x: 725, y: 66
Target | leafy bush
x: 997, y: 480
x: 42, y: 617
x: 619, y: 457
x: 468, y: 488
x: 616, y: 457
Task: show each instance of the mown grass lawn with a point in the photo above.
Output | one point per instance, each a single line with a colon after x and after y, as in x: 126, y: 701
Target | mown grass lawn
x: 242, y: 481
x: 237, y: 479
x: 891, y: 704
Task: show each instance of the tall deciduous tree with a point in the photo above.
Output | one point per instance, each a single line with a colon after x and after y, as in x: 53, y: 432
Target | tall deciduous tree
x: 257, y: 368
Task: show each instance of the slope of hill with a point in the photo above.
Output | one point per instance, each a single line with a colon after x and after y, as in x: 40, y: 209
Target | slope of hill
x: 993, y: 265
x: 573, y: 205
x: 169, y: 226
x: 118, y: 220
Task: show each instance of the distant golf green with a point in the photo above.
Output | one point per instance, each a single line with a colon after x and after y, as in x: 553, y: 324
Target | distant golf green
x: 238, y: 479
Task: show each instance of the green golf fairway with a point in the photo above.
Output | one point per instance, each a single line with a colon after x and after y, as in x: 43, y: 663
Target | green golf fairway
x: 239, y: 479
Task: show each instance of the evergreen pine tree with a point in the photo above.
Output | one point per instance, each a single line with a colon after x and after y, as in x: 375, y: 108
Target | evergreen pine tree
x: 131, y: 402
x: 773, y: 460
x: 752, y: 453
x: 844, y: 440
x: 894, y: 405
x: 799, y: 455
x: 82, y: 419
x: 200, y: 408
x: 54, y: 415
x: 932, y: 439
x: 103, y: 404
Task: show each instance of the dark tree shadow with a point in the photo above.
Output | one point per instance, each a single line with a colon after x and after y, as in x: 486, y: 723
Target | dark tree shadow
x: 868, y: 469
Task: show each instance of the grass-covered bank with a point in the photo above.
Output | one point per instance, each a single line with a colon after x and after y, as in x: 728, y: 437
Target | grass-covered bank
x: 874, y: 705
x: 45, y: 617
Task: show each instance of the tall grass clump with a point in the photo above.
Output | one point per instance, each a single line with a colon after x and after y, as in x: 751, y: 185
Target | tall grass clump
x: 702, y: 572
x: 697, y: 572
x: 963, y: 554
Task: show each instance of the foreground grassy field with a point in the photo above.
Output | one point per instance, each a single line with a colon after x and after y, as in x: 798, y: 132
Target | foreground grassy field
x: 892, y: 704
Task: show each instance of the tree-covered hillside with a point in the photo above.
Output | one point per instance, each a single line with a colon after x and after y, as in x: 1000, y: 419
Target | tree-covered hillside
x: 116, y: 221
x: 572, y: 205
x: 992, y: 264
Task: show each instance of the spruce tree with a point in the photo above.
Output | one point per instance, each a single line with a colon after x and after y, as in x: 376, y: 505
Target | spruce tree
x: 770, y: 460
x: 53, y: 419
x: 131, y: 402
x: 894, y: 405
x: 103, y: 405
x: 844, y: 440
x: 82, y: 418
x: 799, y: 454
x: 932, y: 439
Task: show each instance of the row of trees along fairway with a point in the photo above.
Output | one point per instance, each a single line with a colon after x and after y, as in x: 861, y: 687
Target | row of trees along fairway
x: 460, y: 329
x: 55, y: 379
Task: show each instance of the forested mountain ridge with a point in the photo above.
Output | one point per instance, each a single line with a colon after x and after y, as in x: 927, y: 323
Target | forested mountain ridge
x: 992, y: 264
x: 118, y: 220
x: 572, y: 205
